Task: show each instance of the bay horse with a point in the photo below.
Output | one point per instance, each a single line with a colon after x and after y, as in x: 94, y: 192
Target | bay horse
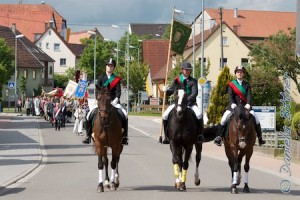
x: 107, y: 131
x: 239, y: 143
x: 182, y: 130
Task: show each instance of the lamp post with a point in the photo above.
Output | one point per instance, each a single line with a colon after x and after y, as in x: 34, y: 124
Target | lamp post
x: 94, y: 33
x: 193, y: 15
x: 127, y: 58
x: 138, y: 57
x: 118, y: 50
x: 16, y: 71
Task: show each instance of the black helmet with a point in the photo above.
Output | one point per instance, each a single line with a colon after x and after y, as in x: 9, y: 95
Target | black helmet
x: 111, y: 61
x: 186, y: 65
x: 240, y: 68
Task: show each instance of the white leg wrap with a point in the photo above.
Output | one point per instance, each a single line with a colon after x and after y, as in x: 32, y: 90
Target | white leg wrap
x: 100, y: 175
x: 113, y: 175
x: 235, y: 177
x: 246, y: 177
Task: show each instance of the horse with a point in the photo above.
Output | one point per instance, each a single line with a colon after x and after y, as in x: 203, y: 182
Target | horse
x: 239, y: 143
x: 182, y: 132
x: 107, y: 132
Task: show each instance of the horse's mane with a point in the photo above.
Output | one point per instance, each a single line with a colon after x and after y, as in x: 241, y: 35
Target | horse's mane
x: 240, y: 112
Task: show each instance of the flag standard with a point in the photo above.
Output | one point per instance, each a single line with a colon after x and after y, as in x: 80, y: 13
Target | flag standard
x: 180, y: 37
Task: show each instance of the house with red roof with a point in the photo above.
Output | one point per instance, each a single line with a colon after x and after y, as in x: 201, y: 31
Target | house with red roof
x: 32, y: 19
x: 76, y: 37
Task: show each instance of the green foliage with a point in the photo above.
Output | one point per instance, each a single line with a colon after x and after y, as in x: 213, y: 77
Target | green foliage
x: 278, y: 53
x: 296, y: 126
x: 265, y: 86
x: 23, y: 84
x: 219, y: 97
x: 61, y: 80
x: 6, y: 62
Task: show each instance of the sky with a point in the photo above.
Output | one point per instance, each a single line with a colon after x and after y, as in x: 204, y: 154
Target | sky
x: 84, y: 15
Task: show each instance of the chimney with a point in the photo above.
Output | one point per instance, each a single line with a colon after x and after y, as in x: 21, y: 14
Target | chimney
x: 235, y: 13
x: 13, y: 28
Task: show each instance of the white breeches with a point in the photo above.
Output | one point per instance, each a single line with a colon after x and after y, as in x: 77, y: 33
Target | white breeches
x: 227, y: 112
x: 169, y: 109
x: 116, y: 106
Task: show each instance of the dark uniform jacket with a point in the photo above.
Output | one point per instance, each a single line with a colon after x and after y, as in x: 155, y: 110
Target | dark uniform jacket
x: 234, y: 98
x: 193, y: 88
x: 114, y: 92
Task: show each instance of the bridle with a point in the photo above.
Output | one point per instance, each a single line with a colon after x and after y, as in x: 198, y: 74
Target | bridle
x: 104, y: 111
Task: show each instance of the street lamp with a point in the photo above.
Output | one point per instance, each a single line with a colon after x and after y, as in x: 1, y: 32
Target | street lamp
x: 127, y: 58
x: 94, y: 33
x: 138, y: 57
x: 182, y: 12
x: 16, y: 71
x: 118, y: 50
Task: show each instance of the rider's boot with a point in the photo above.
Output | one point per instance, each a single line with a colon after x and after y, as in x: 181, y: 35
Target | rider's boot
x: 166, y: 138
x: 88, y: 129
x: 220, y: 133
x: 200, y: 137
x: 259, y: 134
x: 125, y: 132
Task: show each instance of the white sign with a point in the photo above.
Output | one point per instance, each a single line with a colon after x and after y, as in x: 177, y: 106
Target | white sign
x: 266, y: 116
x: 154, y: 101
x: 11, y: 85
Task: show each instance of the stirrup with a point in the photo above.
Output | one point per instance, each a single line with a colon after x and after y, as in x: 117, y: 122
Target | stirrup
x: 218, y: 141
x: 125, y: 141
x: 166, y: 141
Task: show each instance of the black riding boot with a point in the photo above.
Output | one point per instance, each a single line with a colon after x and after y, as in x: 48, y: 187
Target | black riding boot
x: 125, y: 132
x: 200, y: 137
x: 89, y: 127
x: 220, y: 133
x: 259, y: 134
x: 166, y: 139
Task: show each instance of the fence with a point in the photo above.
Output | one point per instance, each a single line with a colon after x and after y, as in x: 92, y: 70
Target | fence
x: 273, y: 139
x: 147, y: 108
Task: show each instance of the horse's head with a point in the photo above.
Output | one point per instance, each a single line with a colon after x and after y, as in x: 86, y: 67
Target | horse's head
x: 180, y: 98
x: 243, y: 123
x: 104, y: 105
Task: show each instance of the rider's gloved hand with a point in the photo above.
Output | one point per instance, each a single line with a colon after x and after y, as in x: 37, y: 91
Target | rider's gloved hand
x: 247, y: 106
x: 164, y: 88
x: 115, y: 101
x: 233, y: 106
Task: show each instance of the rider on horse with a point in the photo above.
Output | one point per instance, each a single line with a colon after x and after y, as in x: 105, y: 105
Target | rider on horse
x: 115, y: 91
x: 239, y: 92
x: 192, y: 91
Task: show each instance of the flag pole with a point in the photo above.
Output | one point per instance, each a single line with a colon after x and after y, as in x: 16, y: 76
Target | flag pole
x: 166, y: 77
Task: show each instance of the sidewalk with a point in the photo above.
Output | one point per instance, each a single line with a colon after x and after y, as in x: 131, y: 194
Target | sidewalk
x: 21, y: 153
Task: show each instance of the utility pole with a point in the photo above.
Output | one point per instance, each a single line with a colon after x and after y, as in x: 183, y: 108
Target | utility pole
x: 221, y: 29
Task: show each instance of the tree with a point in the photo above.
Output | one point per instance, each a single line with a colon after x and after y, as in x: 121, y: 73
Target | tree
x: 219, y: 97
x: 278, y: 53
x: 23, y: 86
x: 6, y: 63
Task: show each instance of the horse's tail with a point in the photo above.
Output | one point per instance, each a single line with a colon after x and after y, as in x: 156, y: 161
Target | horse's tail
x: 210, y: 133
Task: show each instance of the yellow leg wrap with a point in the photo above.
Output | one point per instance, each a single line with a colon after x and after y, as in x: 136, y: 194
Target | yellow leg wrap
x: 183, y: 176
x: 176, y: 170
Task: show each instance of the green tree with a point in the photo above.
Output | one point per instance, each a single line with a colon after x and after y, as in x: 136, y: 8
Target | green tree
x: 23, y: 86
x: 278, y: 53
x: 61, y: 80
x: 6, y: 62
x: 219, y: 97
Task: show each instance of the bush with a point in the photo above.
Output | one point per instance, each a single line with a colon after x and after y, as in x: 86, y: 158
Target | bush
x: 296, y: 126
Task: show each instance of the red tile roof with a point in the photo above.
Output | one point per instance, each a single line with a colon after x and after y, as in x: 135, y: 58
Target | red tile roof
x: 253, y: 23
x: 155, y: 54
x: 75, y: 37
x: 30, y: 19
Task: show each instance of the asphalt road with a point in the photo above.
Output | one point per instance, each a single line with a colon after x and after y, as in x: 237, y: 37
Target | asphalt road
x: 69, y: 171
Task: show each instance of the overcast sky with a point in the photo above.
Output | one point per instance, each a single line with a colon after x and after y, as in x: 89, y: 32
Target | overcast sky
x: 85, y: 14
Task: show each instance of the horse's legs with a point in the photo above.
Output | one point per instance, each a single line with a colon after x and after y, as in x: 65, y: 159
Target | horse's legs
x: 114, y: 173
x: 100, y: 187
x: 198, y: 148
x: 177, y: 162
x: 234, y: 166
x: 185, y: 166
x: 247, y: 168
x: 105, y: 161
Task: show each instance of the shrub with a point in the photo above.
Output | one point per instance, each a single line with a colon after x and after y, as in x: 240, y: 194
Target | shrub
x: 296, y: 126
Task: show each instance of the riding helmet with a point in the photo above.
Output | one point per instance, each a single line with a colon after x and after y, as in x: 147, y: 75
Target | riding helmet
x: 111, y: 61
x: 186, y: 65
x: 240, y: 68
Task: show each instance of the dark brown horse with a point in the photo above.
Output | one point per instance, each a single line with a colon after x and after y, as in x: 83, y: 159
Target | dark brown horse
x: 107, y: 131
x: 183, y: 136
x: 239, y: 143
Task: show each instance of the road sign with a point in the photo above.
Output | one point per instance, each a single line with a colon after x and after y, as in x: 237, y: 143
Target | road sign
x: 11, y: 85
x: 202, y: 81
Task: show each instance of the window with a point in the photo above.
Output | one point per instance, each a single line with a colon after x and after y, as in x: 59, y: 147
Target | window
x: 25, y: 74
x: 50, y: 70
x: 245, y: 62
x: 204, y: 60
x: 47, y: 45
x: 33, y: 74
x: 224, y: 63
x: 225, y: 41
x: 49, y: 33
x: 63, y: 62
x: 40, y: 45
x: 56, y: 47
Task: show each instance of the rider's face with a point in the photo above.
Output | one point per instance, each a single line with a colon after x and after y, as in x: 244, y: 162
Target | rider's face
x: 110, y: 68
x: 186, y: 72
x: 239, y: 74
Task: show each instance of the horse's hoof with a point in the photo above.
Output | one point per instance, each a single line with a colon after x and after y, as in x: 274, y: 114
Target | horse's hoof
x: 112, y: 187
x: 100, y: 188
x: 234, y: 190
x: 106, y: 184
x: 197, y: 182
x: 177, y: 185
x: 246, y: 189
x: 182, y: 187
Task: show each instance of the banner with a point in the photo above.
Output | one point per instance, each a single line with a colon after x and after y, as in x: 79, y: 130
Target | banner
x: 81, y: 88
x: 180, y: 37
x: 70, y: 89
x: 149, y: 84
